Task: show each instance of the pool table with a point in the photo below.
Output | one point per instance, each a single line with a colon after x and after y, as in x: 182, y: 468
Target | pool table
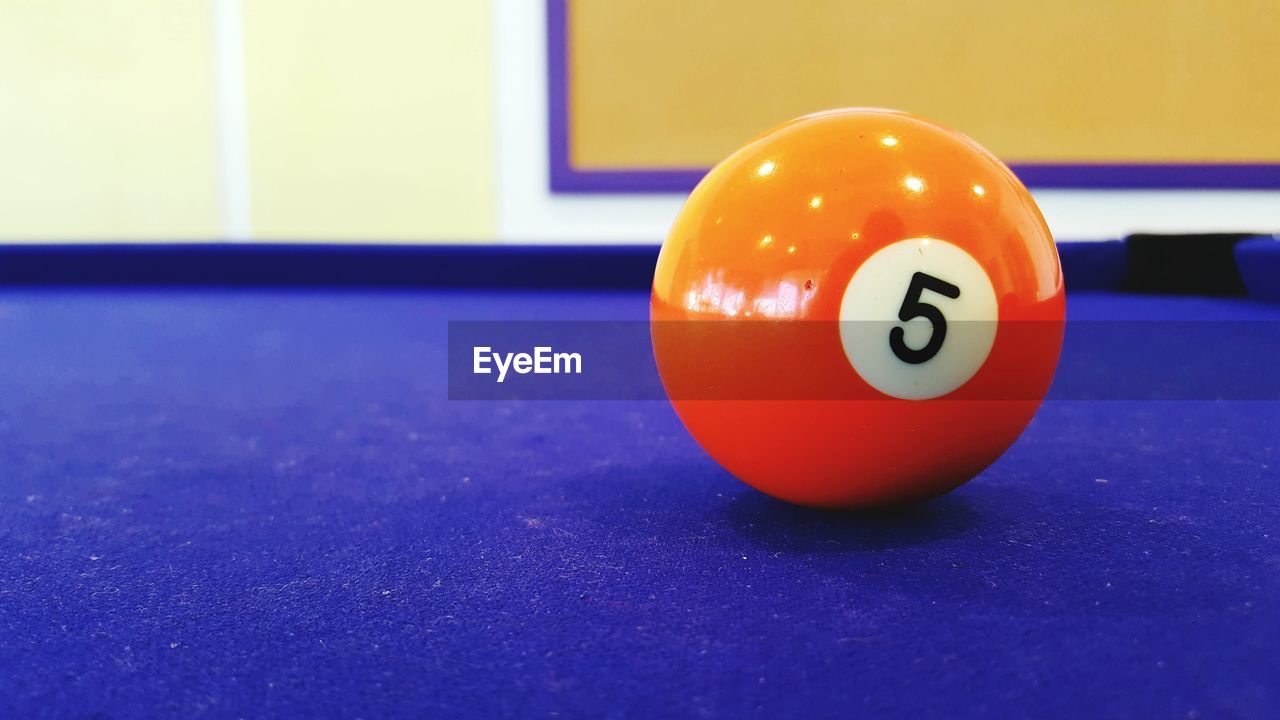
x: 232, y: 484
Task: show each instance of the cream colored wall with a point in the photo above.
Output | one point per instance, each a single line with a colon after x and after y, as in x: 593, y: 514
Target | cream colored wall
x: 370, y: 119
x: 106, y: 120
x: 346, y: 120
x: 186, y: 120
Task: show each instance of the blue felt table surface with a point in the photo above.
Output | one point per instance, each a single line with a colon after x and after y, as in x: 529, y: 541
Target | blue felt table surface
x: 256, y: 503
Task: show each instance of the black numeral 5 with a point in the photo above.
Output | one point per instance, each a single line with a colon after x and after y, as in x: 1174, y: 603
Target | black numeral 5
x: 913, y: 308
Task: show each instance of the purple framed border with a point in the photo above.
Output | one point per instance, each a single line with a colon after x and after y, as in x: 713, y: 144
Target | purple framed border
x: 567, y: 179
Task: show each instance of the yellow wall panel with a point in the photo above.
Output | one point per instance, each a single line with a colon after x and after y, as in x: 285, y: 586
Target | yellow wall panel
x: 370, y: 119
x: 681, y: 83
x: 106, y: 120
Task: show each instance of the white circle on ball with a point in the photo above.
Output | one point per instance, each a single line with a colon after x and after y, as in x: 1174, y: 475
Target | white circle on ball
x: 938, y: 302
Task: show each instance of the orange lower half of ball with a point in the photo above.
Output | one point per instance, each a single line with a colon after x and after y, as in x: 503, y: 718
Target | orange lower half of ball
x: 855, y: 454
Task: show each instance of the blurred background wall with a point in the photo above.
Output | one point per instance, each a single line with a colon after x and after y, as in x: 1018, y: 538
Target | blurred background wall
x: 426, y: 120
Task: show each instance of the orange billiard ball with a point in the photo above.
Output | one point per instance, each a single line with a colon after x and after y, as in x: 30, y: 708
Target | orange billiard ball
x: 859, y: 308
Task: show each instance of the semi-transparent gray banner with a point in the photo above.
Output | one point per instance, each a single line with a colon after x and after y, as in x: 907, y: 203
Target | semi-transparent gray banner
x: 752, y: 360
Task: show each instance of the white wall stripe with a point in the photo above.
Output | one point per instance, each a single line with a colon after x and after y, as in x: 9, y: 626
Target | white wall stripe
x: 232, y: 124
x: 527, y: 210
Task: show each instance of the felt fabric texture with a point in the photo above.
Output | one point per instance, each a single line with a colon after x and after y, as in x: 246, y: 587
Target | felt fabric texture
x: 253, y: 503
